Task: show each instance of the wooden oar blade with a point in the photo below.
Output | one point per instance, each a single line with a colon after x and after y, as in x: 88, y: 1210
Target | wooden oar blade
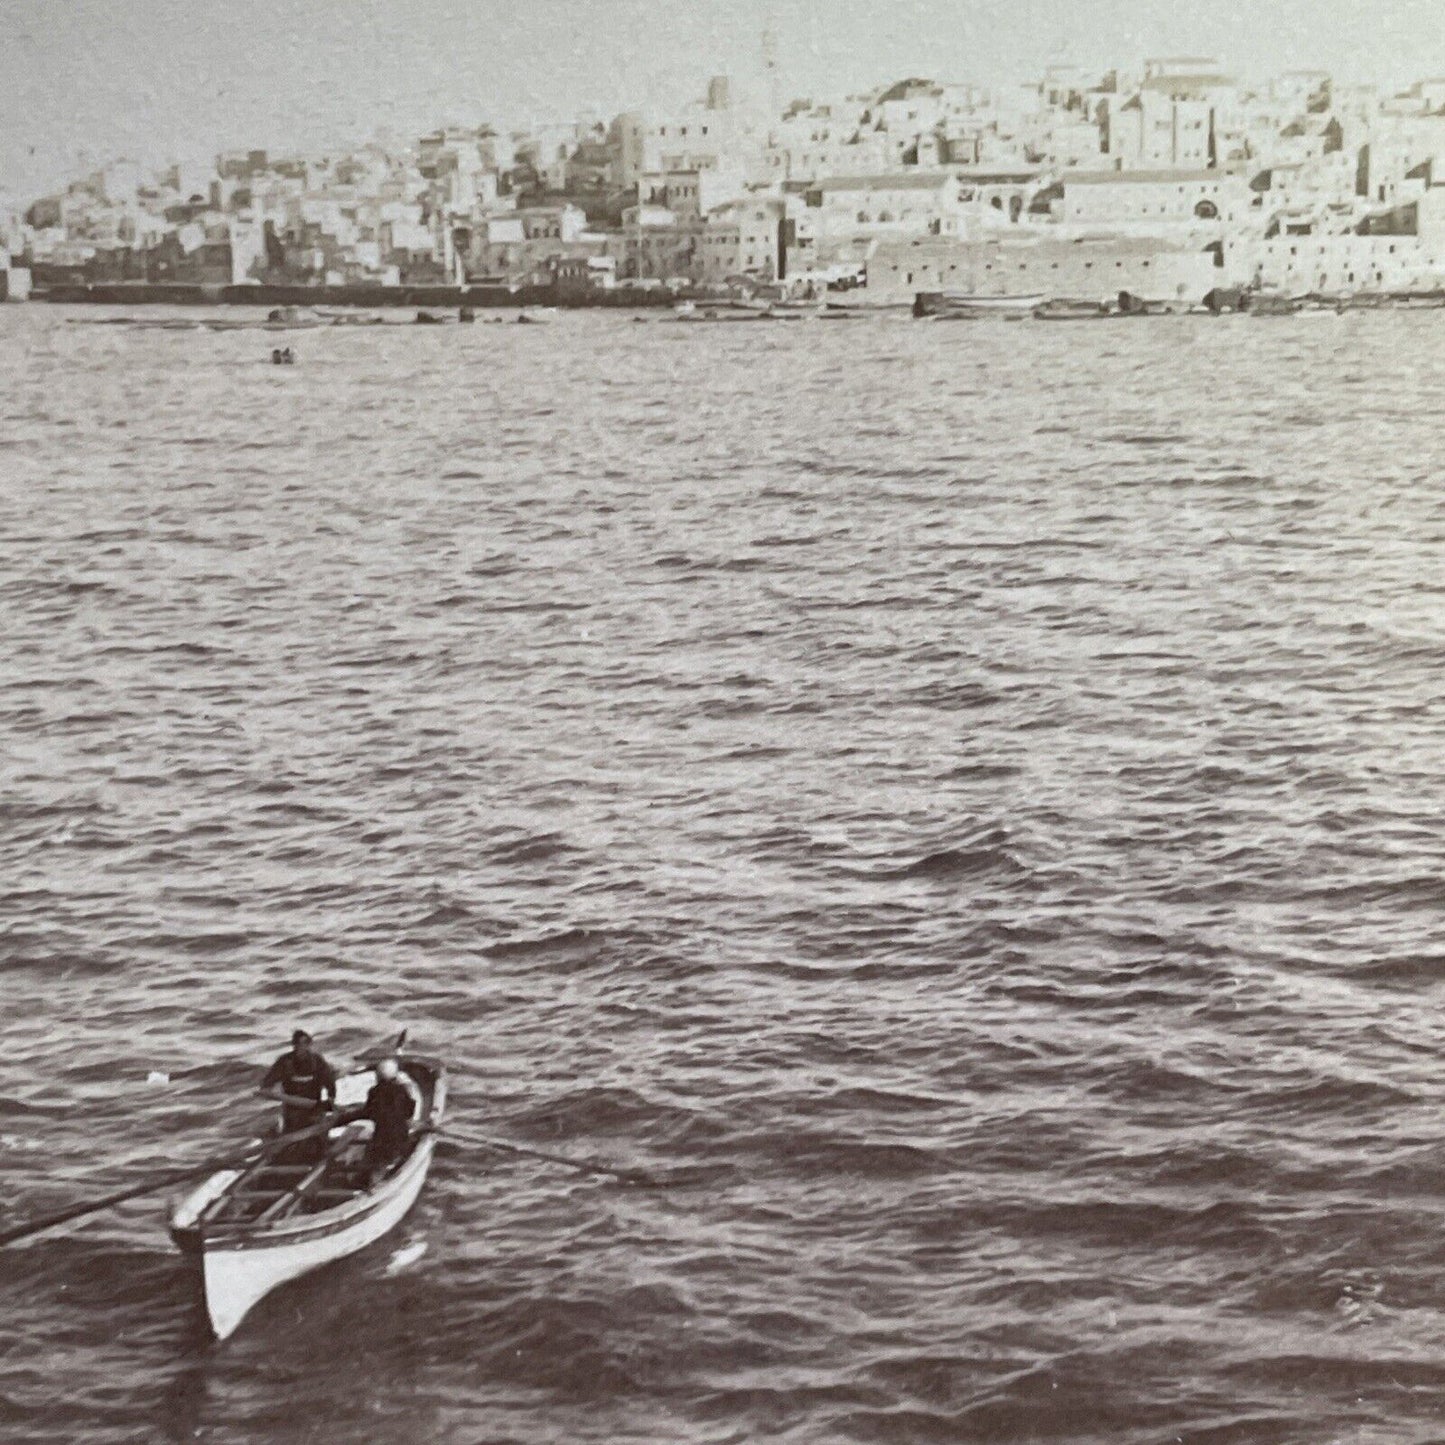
x: 95, y: 1206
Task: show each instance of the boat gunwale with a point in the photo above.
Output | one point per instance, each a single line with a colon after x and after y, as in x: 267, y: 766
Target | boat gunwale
x: 300, y: 1229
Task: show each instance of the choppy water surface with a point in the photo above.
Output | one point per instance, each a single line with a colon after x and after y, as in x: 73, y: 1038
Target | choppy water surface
x: 962, y: 802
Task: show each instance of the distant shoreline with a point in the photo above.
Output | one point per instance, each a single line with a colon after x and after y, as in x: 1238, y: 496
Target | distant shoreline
x: 366, y: 297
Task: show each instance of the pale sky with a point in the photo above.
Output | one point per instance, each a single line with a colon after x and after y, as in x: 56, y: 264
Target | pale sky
x: 84, y: 81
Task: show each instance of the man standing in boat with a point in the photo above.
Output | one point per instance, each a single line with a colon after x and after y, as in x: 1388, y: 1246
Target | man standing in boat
x: 390, y: 1105
x: 303, y: 1081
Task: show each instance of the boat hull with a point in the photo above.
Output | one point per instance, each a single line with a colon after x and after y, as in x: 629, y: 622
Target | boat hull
x: 237, y: 1273
x: 955, y: 305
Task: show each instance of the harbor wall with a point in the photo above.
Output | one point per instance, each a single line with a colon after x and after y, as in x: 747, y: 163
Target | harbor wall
x: 1340, y: 264
x: 1057, y: 270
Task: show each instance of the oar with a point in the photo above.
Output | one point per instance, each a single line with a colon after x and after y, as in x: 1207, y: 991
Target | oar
x: 154, y: 1185
x: 582, y: 1166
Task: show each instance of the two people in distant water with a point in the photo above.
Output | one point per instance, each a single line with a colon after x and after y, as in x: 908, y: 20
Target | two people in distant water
x: 306, y: 1086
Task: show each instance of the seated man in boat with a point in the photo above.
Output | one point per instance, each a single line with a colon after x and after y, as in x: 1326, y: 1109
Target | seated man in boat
x: 392, y: 1103
x: 303, y: 1081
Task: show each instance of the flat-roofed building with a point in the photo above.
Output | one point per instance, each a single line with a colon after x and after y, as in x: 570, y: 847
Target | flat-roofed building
x: 1153, y: 199
x: 920, y: 203
x: 691, y: 140
x: 690, y: 194
x: 744, y: 238
x: 1340, y: 264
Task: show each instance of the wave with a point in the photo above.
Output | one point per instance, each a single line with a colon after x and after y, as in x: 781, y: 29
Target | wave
x: 987, y: 853
x: 566, y: 941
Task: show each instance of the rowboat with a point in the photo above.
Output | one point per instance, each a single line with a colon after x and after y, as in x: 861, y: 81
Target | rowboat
x: 960, y: 305
x: 248, y: 1230
x: 1072, y: 310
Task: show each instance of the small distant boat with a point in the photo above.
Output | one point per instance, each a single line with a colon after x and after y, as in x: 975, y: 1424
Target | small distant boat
x: 865, y: 308
x: 1064, y: 310
x: 1128, y: 304
x: 1418, y: 300
x: 248, y: 1231
x: 283, y: 356
x: 290, y: 318
x: 957, y: 305
x: 158, y: 323
x: 714, y: 314
x: 347, y: 317
x: 1271, y: 303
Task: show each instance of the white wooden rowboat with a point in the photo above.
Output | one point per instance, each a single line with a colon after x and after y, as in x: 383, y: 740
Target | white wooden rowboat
x: 971, y: 306
x: 248, y: 1231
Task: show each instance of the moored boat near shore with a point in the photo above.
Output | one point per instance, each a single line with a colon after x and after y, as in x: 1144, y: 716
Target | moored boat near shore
x: 1065, y: 310
x: 961, y: 305
x: 248, y: 1231
x: 1272, y: 303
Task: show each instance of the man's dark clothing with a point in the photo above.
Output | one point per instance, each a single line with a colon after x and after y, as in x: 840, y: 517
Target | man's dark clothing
x: 389, y: 1106
x: 311, y: 1078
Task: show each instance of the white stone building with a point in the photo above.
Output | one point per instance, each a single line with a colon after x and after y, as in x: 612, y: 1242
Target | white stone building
x: 1154, y: 201
x: 898, y: 203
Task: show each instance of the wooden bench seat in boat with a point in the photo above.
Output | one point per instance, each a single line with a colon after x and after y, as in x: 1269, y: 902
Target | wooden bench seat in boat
x: 292, y: 1199
x: 268, y: 1191
x: 334, y: 1196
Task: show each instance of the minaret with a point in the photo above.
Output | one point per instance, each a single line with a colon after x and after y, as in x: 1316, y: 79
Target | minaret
x: 770, y: 70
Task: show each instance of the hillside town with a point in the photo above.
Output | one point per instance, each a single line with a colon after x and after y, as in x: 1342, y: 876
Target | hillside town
x: 1165, y: 181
